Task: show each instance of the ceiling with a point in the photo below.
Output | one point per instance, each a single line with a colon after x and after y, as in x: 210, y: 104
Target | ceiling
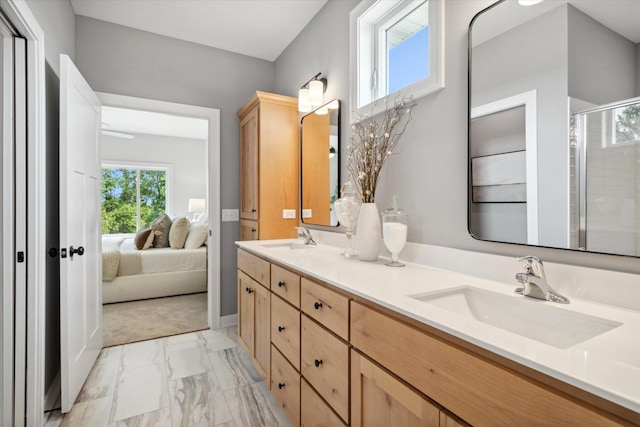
x: 259, y: 28
x: 619, y: 15
x: 126, y: 121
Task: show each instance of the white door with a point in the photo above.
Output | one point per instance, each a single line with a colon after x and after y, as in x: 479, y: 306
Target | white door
x: 80, y: 253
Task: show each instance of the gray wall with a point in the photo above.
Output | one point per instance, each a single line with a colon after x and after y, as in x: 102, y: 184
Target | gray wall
x: 57, y: 20
x: 598, y: 54
x: 124, y: 61
x: 430, y: 175
x: 637, y: 69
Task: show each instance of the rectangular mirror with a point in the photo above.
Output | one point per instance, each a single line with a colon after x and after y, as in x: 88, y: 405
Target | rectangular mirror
x: 320, y: 164
x: 554, y: 125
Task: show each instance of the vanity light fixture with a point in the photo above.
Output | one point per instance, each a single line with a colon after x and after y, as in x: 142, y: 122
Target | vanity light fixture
x: 528, y: 2
x: 311, y: 93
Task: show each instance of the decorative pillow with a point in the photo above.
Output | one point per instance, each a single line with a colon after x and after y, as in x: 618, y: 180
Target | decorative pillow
x: 161, y: 227
x: 144, y: 238
x: 110, y: 263
x: 203, y: 217
x: 197, y: 235
x: 178, y: 233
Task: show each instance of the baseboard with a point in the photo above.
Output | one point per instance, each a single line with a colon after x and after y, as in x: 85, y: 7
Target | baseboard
x: 230, y: 320
x: 53, y: 394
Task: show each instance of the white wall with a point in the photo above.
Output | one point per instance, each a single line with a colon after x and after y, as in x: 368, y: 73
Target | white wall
x: 187, y: 158
x: 430, y: 175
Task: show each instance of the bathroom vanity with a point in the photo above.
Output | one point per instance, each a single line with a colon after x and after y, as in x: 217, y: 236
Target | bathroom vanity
x: 345, y: 342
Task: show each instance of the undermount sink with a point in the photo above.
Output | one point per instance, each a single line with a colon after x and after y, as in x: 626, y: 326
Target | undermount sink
x: 520, y: 315
x: 287, y: 246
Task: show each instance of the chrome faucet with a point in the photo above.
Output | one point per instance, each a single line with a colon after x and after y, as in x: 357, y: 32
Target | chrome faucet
x: 304, y: 233
x: 534, y: 281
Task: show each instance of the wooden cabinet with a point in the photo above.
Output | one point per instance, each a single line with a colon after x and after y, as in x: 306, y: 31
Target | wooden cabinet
x: 254, y: 311
x: 269, y: 164
x: 353, y: 362
x: 378, y: 399
x: 285, y: 386
x: 248, y: 229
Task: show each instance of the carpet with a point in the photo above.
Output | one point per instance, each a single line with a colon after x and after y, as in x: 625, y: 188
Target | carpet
x: 128, y: 322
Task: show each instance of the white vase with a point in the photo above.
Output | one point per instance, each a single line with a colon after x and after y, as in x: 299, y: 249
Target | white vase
x: 369, y: 232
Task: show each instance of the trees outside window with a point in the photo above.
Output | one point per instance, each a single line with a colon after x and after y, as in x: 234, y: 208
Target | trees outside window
x: 132, y: 198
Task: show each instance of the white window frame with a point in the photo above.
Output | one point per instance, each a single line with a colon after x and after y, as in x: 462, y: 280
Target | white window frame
x: 166, y: 167
x: 367, y: 20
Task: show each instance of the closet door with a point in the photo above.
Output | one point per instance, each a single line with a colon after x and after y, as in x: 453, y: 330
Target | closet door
x: 13, y: 279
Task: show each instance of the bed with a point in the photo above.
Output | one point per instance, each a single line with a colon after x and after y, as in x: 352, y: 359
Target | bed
x: 150, y: 273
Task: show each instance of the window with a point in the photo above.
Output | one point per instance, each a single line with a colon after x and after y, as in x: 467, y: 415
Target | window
x: 132, y: 197
x: 396, y: 47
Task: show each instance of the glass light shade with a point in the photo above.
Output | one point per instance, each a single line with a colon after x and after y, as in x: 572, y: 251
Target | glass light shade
x: 528, y: 2
x: 316, y: 89
x: 196, y: 205
x: 322, y: 111
x: 304, y: 106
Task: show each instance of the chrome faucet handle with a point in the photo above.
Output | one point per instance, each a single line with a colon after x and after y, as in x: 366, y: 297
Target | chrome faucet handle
x: 533, y: 265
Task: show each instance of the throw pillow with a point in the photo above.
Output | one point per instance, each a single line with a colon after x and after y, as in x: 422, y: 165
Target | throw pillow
x: 178, y: 233
x: 161, y: 228
x: 142, y: 238
x: 110, y: 263
x: 197, y: 235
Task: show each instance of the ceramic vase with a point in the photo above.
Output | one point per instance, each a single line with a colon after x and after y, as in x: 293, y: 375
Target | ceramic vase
x: 369, y: 232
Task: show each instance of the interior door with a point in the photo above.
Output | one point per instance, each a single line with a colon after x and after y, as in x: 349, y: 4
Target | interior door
x: 80, y: 251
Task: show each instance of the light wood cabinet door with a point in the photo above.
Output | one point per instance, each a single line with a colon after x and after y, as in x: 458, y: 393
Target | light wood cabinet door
x: 314, y: 412
x: 246, y: 286
x: 285, y: 330
x: 262, y: 331
x: 325, y: 364
x: 249, y: 230
x: 249, y: 164
x: 379, y: 400
x: 329, y: 308
x: 285, y: 386
x: 447, y: 420
x: 286, y: 284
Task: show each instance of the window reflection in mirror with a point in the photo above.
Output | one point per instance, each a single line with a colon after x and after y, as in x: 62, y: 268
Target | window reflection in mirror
x: 320, y: 164
x: 555, y: 93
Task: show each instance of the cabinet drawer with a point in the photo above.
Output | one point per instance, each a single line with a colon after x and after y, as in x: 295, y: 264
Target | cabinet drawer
x: 314, y: 412
x: 325, y: 364
x: 285, y: 386
x: 254, y: 266
x: 475, y: 389
x: 285, y: 330
x: 286, y: 284
x: 326, y: 306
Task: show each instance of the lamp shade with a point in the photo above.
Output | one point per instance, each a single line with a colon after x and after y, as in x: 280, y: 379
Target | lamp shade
x: 196, y: 205
x: 316, y: 89
x: 304, y: 106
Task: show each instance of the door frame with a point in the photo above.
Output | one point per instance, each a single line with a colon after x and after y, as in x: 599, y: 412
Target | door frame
x: 33, y: 390
x: 212, y: 115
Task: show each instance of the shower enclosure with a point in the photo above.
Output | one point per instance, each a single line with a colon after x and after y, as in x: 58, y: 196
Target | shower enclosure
x: 605, y: 178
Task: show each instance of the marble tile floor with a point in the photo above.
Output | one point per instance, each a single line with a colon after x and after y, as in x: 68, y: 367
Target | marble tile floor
x: 198, y: 379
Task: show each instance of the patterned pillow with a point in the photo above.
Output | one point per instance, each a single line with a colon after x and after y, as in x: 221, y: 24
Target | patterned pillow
x: 161, y: 228
x: 178, y: 233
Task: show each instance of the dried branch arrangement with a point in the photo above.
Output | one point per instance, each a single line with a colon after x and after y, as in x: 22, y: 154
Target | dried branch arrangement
x: 373, y: 141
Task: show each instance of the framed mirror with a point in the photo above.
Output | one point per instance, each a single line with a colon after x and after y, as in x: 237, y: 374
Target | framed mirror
x: 320, y: 164
x: 554, y: 125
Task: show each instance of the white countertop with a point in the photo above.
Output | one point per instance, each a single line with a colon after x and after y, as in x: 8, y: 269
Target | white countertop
x: 607, y: 365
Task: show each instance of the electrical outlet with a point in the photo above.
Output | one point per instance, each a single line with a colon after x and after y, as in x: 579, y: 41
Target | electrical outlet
x: 307, y: 213
x: 289, y: 213
x: 230, y: 215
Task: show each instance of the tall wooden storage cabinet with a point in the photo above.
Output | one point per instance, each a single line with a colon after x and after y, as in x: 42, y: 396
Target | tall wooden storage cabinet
x: 269, y: 163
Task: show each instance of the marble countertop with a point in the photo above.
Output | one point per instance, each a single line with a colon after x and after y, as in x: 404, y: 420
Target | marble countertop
x: 607, y: 365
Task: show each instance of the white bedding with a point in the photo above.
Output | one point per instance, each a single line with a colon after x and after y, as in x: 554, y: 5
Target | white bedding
x: 157, y: 260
